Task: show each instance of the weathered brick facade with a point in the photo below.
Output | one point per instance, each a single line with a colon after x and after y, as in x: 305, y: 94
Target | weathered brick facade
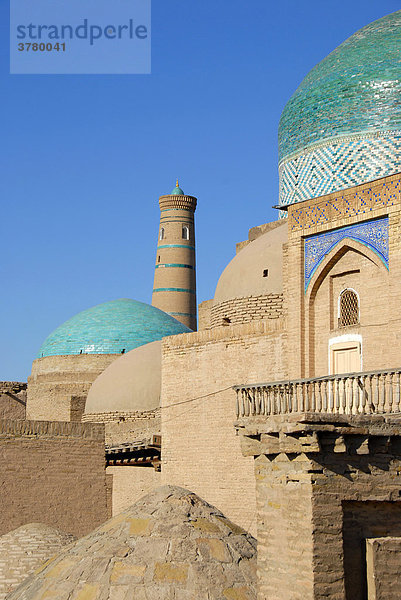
x: 325, y: 484
x: 244, y: 310
x: 12, y: 400
x: 58, y: 385
x: 53, y: 473
x: 123, y: 427
x: 200, y: 450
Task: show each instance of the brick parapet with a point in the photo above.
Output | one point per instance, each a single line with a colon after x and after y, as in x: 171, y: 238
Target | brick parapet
x: 13, y: 387
x: 50, y: 429
x: 109, y: 417
x: 122, y: 427
x: 229, y: 333
x: 53, y: 473
x: 247, y: 309
x: 200, y: 448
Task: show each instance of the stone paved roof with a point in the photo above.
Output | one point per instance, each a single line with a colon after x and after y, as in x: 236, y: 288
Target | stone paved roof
x: 24, y: 550
x: 170, y: 545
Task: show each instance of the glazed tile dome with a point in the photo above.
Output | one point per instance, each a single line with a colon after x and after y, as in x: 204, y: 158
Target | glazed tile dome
x: 111, y: 328
x: 342, y: 126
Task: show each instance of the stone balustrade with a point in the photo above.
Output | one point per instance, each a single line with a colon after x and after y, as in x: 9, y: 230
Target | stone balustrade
x: 366, y: 393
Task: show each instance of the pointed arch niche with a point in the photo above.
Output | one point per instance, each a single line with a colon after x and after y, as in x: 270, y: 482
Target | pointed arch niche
x: 350, y: 265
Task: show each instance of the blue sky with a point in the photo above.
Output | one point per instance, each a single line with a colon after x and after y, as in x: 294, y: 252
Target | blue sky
x: 84, y: 158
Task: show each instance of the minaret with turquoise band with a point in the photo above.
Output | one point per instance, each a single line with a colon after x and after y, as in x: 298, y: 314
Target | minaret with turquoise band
x: 174, y: 289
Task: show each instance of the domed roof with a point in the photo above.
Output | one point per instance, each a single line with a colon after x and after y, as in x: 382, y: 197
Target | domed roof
x: 130, y: 384
x: 355, y: 89
x: 257, y: 269
x: 110, y: 328
x: 25, y: 549
x: 177, y: 191
x: 169, y: 544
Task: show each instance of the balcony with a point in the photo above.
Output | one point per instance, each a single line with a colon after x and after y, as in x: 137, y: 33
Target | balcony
x: 365, y: 393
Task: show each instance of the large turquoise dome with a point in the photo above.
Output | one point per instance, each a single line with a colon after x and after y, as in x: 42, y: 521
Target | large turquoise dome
x: 111, y: 328
x: 342, y: 126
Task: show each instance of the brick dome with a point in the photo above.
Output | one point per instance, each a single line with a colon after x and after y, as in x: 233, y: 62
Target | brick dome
x: 25, y: 549
x: 168, y: 545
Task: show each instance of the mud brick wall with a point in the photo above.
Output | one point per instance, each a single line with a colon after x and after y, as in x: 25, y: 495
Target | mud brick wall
x: 200, y: 449
x: 121, y: 427
x: 316, y: 511
x: 12, y: 400
x: 244, y: 310
x: 383, y: 557
x: 53, y: 473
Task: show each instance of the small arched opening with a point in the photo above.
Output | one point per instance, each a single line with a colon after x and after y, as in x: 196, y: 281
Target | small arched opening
x: 348, y: 308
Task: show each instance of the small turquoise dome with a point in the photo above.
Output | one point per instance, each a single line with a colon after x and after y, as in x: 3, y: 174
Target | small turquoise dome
x: 177, y: 191
x: 342, y: 126
x: 111, y: 328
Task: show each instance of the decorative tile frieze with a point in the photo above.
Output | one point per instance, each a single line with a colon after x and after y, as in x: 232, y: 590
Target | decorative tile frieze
x: 357, y: 202
x: 336, y: 166
x: 373, y: 234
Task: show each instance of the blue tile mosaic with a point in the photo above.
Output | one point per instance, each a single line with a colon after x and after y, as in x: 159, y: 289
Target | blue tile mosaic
x: 342, y: 126
x: 339, y: 166
x: 373, y: 234
x: 110, y: 328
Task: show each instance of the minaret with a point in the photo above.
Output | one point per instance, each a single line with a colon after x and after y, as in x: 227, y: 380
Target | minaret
x: 174, y: 289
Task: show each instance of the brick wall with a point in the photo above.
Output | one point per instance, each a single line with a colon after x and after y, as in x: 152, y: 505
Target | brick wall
x: 244, y: 310
x: 383, y: 557
x: 53, y: 473
x: 130, y: 484
x: 323, y: 488
x: 204, y: 309
x: 200, y: 450
x: 58, y: 385
x: 12, y: 400
x: 123, y: 427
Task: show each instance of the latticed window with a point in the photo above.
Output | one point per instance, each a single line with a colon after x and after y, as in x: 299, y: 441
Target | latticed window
x: 349, y: 309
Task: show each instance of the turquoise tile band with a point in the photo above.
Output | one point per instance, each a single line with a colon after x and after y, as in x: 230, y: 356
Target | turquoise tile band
x: 174, y: 265
x: 187, y: 291
x: 176, y: 246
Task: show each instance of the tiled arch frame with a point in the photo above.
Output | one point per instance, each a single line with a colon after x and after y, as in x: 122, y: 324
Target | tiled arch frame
x: 316, y: 281
x: 334, y: 256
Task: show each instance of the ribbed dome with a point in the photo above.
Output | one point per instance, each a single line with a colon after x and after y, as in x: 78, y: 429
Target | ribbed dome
x: 110, y: 328
x: 354, y: 92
